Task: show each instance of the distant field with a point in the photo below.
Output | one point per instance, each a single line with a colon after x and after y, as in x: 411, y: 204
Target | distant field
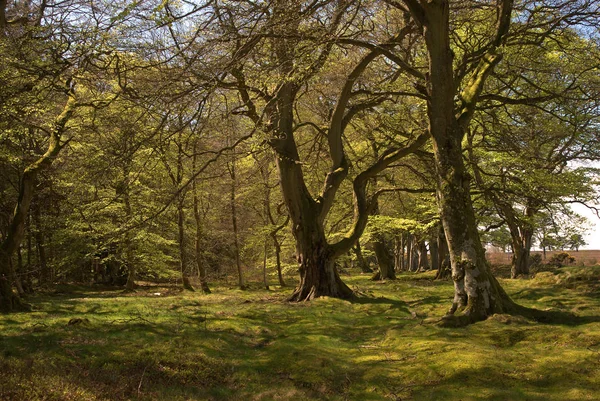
x: 587, y: 257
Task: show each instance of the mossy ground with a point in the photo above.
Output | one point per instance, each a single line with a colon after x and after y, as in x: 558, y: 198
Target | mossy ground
x: 253, y: 345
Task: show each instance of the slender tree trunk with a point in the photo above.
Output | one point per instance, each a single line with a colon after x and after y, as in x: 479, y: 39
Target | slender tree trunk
x: 234, y: 223
x: 362, y: 263
x: 201, y: 269
x: 444, y: 268
x: 266, y: 250
x: 39, y: 242
x: 434, y: 252
x: 181, y: 240
x: 402, y: 250
x: 409, y: 246
x: 125, y: 190
x: 198, y: 240
x: 423, y: 259
x: 277, y: 246
x: 398, y: 252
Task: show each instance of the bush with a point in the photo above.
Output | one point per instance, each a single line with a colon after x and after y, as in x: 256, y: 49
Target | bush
x: 535, y: 260
x: 561, y: 259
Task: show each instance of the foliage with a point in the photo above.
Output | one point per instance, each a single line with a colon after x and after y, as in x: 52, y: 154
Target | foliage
x: 535, y: 260
x: 561, y: 259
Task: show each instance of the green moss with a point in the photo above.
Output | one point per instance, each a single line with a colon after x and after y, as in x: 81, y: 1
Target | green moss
x: 255, y: 345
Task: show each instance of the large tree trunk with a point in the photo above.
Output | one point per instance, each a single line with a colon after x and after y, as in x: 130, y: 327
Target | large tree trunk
x: 384, y: 261
x: 521, y: 253
x: 423, y: 260
x: 308, y: 213
x: 318, y: 275
x: 476, y: 292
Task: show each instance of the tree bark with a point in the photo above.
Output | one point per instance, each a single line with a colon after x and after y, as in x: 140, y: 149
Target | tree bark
x: 434, y: 252
x: 384, y: 261
x: 234, y: 224
x: 9, y: 301
x: 423, y: 260
x: 362, y: 263
x: 198, y: 240
x: 266, y: 250
x: 521, y: 253
x: 444, y: 268
x: 318, y: 275
x: 45, y: 276
x: 476, y: 292
x: 398, y: 252
x: 125, y: 192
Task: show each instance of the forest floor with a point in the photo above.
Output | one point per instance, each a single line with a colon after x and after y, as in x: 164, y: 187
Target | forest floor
x: 160, y: 343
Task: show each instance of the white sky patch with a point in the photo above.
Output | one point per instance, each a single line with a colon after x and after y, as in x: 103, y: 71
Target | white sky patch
x: 592, y: 236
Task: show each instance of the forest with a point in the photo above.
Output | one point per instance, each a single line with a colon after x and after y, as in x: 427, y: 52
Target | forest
x: 299, y: 200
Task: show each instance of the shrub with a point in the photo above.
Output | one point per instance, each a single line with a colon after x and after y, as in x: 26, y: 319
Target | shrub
x: 561, y: 259
x: 535, y: 260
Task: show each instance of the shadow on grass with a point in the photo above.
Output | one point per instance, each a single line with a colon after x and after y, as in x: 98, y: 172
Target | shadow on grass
x: 538, y: 383
x: 401, y: 305
x: 558, y: 317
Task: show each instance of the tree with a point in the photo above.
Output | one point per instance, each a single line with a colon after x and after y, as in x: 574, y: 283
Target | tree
x: 459, y: 63
x: 576, y: 241
x: 294, y: 65
x: 28, y: 75
x: 527, y: 158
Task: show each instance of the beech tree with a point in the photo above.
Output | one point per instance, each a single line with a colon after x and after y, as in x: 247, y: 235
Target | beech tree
x: 460, y: 60
x: 294, y: 64
x: 33, y: 69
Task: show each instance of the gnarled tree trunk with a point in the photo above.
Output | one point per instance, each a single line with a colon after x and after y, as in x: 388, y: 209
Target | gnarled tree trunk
x: 384, y: 261
x: 476, y: 292
x: 318, y: 275
x: 10, y: 301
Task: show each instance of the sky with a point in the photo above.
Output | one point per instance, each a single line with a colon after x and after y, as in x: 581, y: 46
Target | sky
x: 592, y: 237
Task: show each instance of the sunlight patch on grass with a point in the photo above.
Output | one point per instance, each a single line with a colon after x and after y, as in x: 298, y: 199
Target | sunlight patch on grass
x: 254, y: 345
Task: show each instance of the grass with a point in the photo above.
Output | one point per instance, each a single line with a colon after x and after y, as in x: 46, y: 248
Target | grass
x: 163, y: 344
